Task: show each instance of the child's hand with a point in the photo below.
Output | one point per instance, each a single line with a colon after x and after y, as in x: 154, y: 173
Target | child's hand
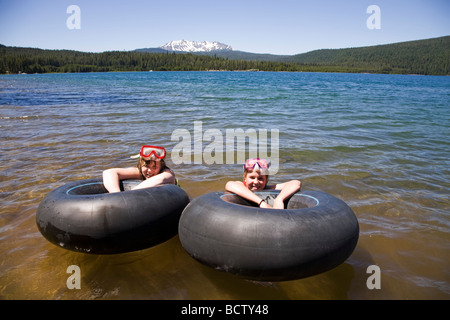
x: 265, y: 205
x: 278, y: 203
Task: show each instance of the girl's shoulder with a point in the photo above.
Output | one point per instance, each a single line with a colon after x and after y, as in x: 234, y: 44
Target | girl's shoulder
x: 168, y: 170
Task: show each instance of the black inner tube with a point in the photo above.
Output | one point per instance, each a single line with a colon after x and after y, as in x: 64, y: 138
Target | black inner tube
x: 315, y: 233
x: 83, y: 216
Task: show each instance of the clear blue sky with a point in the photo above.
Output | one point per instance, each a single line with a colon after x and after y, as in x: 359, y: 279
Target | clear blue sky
x: 259, y: 26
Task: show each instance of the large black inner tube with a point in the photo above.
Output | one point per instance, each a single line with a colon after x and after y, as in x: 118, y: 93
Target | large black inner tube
x: 315, y: 233
x: 82, y: 216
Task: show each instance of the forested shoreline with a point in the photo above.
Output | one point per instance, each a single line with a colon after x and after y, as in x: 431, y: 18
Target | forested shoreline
x: 428, y: 57
x: 29, y: 60
x: 418, y: 57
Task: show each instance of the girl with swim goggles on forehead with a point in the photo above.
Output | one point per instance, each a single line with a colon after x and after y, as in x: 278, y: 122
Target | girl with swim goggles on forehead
x: 150, y: 167
x: 256, y: 176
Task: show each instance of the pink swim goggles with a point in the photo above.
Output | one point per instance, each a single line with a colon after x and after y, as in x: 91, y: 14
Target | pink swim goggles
x: 151, y: 153
x: 259, y: 164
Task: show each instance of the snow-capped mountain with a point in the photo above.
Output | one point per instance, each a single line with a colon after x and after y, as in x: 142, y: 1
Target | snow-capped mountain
x: 195, y: 46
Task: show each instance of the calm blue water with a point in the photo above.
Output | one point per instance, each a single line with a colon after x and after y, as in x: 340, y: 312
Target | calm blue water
x: 379, y: 142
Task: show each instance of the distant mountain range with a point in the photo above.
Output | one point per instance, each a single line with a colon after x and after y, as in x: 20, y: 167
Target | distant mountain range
x: 194, y: 46
x: 208, y: 48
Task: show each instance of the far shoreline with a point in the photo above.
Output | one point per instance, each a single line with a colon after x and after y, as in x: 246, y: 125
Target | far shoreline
x: 212, y: 70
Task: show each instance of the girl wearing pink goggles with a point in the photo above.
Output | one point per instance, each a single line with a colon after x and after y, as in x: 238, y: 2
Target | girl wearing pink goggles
x: 150, y: 167
x: 256, y: 176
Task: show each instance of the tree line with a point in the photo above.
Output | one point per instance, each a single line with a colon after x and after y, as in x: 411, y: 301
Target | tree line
x: 427, y: 57
x: 32, y: 60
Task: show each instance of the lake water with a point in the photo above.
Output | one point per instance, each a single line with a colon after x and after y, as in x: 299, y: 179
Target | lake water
x: 378, y: 142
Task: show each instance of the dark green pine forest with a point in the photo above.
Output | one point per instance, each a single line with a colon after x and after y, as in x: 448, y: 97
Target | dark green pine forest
x: 425, y: 57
